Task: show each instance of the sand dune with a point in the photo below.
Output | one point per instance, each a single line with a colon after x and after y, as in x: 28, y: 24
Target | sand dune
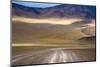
x: 44, y: 32
x: 47, y: 31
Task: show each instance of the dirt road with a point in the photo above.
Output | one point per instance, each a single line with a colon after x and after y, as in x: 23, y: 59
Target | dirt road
x: 53, y: 55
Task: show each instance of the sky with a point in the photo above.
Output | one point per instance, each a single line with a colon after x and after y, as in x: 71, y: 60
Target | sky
x: 34, y: 4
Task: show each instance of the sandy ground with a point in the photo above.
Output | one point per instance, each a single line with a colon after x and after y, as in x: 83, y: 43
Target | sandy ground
x: 64, y: 21
x: 60, y: 38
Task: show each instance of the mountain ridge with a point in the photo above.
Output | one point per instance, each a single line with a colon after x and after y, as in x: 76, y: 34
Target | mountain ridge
x: 59, y: 11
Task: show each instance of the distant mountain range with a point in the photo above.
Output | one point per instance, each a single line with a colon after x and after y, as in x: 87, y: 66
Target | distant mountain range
x: 59, y: 11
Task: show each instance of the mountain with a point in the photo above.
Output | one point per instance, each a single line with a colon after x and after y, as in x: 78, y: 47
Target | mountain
x: 59, y: 11
x: 90, y: 39
x: 20, y: 10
